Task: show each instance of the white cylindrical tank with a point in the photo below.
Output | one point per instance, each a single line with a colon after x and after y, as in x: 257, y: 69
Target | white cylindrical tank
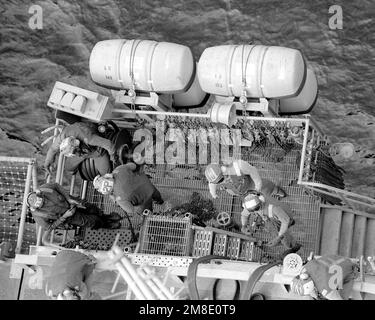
x: 305, y: 101
x: 194, y: 97
x: 161, y: 67
x: 270, y: 72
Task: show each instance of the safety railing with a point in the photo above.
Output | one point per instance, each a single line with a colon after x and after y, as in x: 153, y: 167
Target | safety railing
x: 309, y: 139
x: 314, y: 143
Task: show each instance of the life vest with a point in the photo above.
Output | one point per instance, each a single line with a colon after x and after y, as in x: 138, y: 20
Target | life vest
x: 54, y: 205
x: 325, y: 272
x: 237, y: 185
x: 132, y: 186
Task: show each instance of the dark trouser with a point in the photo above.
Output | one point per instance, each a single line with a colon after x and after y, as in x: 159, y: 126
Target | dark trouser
x: 102, y: 162
x: 157, y: 196
x: 273, y: 227
x: 90, y: 217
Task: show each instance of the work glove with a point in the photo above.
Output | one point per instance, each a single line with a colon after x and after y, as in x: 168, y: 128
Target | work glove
x: 69, y: 212
x: 245, y: 230
x: 114, y: 159
x: 77, y: 203
x: 48, y: 171
x: 274, y: 242
x: 214, y: 196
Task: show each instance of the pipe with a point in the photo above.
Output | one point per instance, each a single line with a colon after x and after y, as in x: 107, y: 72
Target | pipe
x: 127, y: 277
x: 203, y: 115
x: 84, y: 190
x: 129, y: 273
x: 149, y: 281
x: 157, y: 281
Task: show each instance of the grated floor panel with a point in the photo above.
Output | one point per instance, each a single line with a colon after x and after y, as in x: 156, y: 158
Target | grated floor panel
x: 177, y: 183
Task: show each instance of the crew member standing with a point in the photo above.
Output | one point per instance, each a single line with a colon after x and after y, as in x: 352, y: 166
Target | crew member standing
x: 329, y: 277
x: 277, y: 215
x: 238, y: 179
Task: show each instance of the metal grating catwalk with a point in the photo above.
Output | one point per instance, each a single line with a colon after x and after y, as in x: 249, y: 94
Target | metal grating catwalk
x: 177, y: 183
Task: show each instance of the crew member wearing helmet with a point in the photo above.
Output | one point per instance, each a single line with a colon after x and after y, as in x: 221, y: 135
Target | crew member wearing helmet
x: 329, y: 277
x: 238, y: 179
x: 71, y: 277
x: 277, y: 215
x: 80, y: 139
x: 131, y: 189
x: 51, y: 206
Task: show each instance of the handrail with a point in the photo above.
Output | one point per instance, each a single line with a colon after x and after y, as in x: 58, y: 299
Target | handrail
x: 341, y: 194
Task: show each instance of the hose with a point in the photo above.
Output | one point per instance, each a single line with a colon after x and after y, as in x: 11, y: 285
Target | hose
x: 213, y: 294
x: 254, y: 278
x: 192, y: 274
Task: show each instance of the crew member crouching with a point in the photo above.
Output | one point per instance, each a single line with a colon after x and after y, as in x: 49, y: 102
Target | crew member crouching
x: 328, y: 277
x: 131, y: 189
x: 71, y: 277
x: 51, y: 207
x: 80, y: 140
x: 277, y: 215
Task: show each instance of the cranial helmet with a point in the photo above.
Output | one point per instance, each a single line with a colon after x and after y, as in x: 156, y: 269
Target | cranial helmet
x: 68, y: 146
x: 213, y: 173
x: 104, y: 184
x: 302, y: 285
x: 34, y: 200
x: 251, y: 202
x: 69, y: 294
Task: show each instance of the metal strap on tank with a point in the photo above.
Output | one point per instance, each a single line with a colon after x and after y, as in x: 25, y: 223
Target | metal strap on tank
x: 261, y: 72
x: 133, y: 49
x: 117, y: 68
x: 149, y: 80
x: 230, y: 85
x: 243, y: 71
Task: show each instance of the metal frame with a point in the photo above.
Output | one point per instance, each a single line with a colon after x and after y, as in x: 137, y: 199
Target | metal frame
x: 350, y: 199
x: 31, y: 180
x: 312, y: 132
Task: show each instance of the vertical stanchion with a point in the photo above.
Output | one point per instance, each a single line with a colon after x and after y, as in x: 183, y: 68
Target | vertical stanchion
x: 84, y: 190
x: 71, y: 192
x: 38, y: 228
x: 303, y: 152
x: 48, y: 180
x: 24, y: 206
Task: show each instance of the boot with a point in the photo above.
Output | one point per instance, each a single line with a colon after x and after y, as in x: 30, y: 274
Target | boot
x: 114, y: 216
x: 112, y: 225
x: 280, y: 193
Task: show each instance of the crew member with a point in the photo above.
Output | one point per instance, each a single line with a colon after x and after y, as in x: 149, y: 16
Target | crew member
x: 238, y: 179
x: 131, y: 189
x: 277, y: 215
x: 80, y: 139
x: 71, y: 277
x: 51, y: 206
x: 329, y: 277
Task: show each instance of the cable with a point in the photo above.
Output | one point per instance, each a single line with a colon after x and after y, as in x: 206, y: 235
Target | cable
x: 254, y: 278
x: 213, y: 294
x: 192, y: 274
